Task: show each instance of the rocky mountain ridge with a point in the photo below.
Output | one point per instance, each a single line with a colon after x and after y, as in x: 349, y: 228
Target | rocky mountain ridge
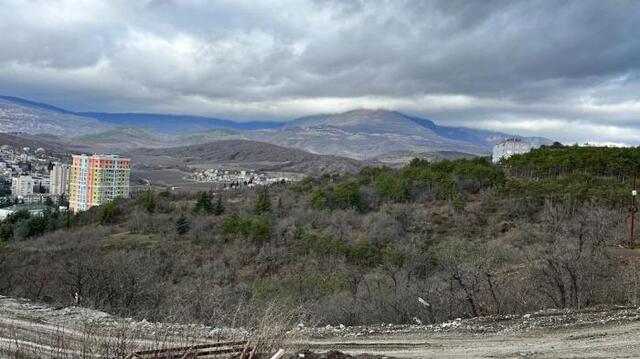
x: 359, y: 134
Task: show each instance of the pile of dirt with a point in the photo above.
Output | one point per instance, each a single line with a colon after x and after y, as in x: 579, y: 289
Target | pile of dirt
x: 549, y: 318
x: 22, y: 311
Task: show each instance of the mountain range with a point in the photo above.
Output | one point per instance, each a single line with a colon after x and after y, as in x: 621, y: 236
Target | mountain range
x: 18, y: 115
x: 359, y: 134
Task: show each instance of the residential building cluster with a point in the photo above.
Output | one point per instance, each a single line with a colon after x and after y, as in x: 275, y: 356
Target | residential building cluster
x: 17, y: 160
x: 37, y: 187
x: 233, y: 179
x: 24, y: 174
x: 30, y: 179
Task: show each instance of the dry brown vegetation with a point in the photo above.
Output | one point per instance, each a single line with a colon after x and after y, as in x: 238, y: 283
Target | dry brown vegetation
x: 333, y: 250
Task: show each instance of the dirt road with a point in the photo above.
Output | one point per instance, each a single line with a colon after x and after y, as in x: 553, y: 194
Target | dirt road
x: 614, y: 340
x: 594, y: 333
x: 35, y: 330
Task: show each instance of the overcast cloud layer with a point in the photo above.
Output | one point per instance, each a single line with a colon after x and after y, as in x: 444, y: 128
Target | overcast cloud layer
x: 561, y: 69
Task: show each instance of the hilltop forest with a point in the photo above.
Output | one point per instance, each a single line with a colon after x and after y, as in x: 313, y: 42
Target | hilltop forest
x: 421, y: 244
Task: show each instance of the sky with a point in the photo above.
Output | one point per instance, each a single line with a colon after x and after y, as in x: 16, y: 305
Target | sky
x: 567, y: 70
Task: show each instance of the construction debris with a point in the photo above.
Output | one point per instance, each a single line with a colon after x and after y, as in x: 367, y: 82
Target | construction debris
x: 549, y: 318
x: 215, y: 350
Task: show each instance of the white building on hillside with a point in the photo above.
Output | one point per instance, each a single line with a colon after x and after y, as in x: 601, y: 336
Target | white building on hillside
x: 59, y: 179
x: 21, y: 186
x: 509, y: 147
x: 33, y: 209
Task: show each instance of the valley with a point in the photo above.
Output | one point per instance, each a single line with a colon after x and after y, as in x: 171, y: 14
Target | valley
x: 166, y: 150
x: 313, y: 179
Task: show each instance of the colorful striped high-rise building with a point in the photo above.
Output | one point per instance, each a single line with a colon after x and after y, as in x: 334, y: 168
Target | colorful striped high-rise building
x: 97, y: 179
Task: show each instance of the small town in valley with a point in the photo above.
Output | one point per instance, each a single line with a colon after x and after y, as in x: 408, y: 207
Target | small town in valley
x: 228, y: 179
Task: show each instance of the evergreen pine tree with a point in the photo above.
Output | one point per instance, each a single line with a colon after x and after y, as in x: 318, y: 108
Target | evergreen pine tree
x: 147, y: 201
x: 218, y: 209
x: 264, y: 202
x: 203, y: 202
x: 319, y: 199
x: 182, y: 225
x: 110, y: 212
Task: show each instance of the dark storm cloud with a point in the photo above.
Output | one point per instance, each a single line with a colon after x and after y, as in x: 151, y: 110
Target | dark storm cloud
x: 564, y: 69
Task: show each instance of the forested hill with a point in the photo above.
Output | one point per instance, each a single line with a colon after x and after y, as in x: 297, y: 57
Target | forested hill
x: 347, y: 249
x: 563, y: 160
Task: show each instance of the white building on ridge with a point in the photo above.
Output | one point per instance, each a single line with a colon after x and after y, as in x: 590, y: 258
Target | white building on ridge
x: 509, y: 147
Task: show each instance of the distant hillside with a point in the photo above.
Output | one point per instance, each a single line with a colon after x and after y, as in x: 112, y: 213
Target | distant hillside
x: 401, y: 158
x: 176, y: 124
x: 217, y: 134
x: 21, y: 140
x: 483, y: 137
x: 34, y: 104
x: 127, y: 138
x: 14, y: 111
x: 363, y: 121
x: 122, y: 138
x: 263, y: 155
x: 366, y: 134
x: 17, y: 115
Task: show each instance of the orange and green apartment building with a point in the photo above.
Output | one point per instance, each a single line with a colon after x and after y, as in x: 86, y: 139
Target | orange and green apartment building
x: 97, y: 179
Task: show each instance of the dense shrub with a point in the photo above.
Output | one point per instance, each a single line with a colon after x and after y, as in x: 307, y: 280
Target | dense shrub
x: 258, y: 229
x: 566, y: 160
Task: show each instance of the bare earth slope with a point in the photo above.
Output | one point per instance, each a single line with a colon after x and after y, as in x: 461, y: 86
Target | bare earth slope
x: 45, y: 331
x: 53, y: 148
x: 263, y: 155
